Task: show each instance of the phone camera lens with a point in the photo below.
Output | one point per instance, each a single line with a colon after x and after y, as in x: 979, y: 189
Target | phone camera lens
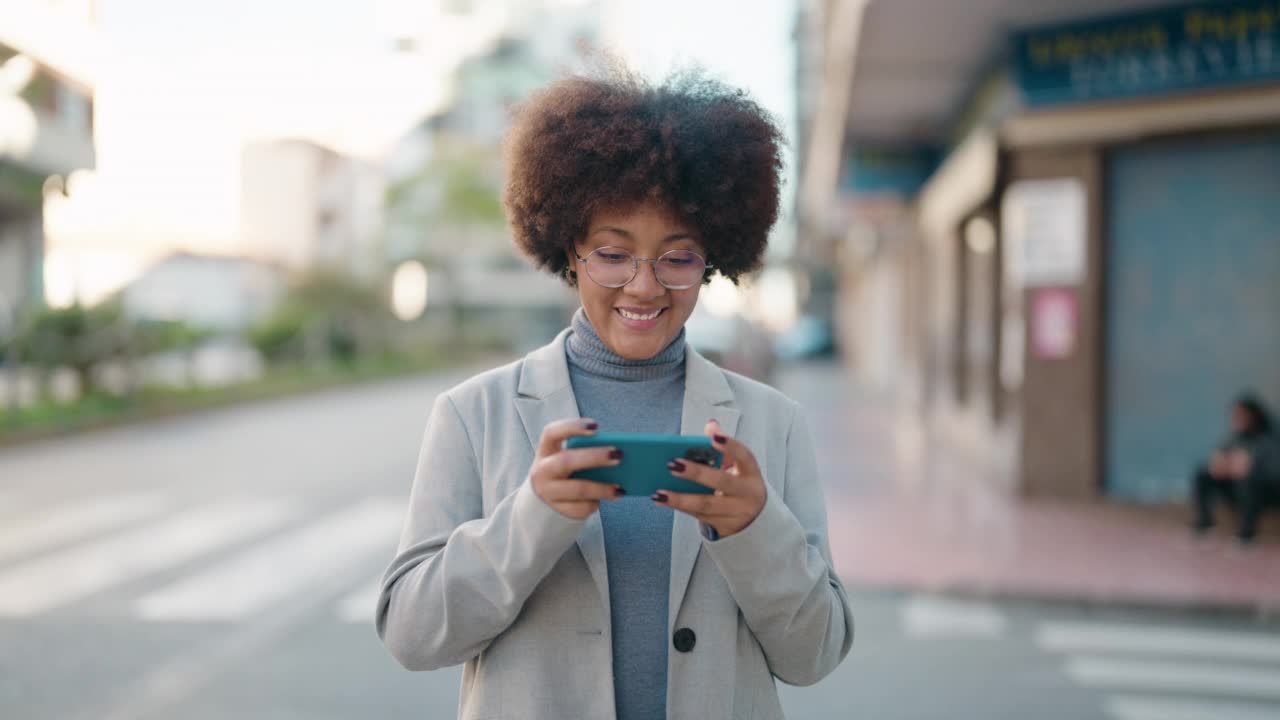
x: 699, y: 455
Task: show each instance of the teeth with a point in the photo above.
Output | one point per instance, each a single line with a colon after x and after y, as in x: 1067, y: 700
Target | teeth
x: 633, y: 316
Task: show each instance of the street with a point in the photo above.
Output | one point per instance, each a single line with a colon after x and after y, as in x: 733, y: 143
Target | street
x: 225, y: 565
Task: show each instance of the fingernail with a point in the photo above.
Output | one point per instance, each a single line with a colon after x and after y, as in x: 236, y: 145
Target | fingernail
x: 720, y: 439
x: 591, y: 425
x: 618, y: 491
x: 675, y: 465
x: 615, y: 454
x: 659, y: 497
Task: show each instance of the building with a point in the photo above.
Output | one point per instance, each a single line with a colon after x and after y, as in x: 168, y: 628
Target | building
x: 446, y: 173
x: 224, y: 294
x: 46, y: 130
x: 306, y: 206
x: 1059, y: 219
x: 446, y: 178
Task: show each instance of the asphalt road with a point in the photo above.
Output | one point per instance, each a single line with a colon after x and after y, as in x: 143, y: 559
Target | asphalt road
x: 224, y: 565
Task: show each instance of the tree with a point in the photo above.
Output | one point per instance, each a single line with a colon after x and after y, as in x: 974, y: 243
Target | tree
x: 325, y: 317
x: 78, y: 337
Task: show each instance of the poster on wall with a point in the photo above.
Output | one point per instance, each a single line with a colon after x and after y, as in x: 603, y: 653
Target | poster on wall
x: 1054, y: 319
x: 1044, y: 224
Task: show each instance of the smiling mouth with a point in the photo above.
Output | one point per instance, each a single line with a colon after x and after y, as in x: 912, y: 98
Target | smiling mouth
x: 637, y: 316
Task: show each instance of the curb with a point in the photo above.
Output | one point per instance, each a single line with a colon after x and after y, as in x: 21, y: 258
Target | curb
x: 20, y: 438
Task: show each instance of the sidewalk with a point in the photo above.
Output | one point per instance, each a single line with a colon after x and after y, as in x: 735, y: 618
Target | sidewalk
x: 905, y: 514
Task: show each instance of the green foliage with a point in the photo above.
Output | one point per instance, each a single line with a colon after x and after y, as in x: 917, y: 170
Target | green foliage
x: 279, y: 337
x: 82, y: 337
x: 157, y: 336
x: 458, y: 185
x: 326, y: 317
x: 74, y: 336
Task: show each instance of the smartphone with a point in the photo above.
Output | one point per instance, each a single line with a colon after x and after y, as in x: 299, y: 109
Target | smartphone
x: 643, y: 470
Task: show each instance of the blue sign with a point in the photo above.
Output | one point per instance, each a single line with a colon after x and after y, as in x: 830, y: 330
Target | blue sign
x: 1191, y: 47
x: 898, y: 171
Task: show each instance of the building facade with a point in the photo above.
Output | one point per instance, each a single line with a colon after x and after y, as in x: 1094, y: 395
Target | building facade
x: 1076, y: 206
x: 46, y: 131
x: 223, y: 294
x: 306, y: 206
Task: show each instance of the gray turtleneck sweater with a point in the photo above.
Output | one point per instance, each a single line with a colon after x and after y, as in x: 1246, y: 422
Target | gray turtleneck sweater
x: 633, y: 396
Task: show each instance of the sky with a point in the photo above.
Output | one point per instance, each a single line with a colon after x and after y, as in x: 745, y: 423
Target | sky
x: 182, y: 84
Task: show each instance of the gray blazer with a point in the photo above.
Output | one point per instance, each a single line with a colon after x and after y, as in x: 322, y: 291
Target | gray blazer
x: 489, y: 575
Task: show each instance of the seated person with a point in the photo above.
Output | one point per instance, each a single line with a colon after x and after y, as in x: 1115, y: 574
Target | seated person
x: 1244, y: 470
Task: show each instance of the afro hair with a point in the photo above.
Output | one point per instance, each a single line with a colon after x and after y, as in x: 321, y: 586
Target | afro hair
x: 702, y: 150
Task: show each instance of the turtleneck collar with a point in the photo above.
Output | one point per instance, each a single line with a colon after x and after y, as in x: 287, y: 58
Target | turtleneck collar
x: 588, y: 352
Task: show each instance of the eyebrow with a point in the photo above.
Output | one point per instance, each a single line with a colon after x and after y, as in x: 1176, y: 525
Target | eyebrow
x: 619, y: 231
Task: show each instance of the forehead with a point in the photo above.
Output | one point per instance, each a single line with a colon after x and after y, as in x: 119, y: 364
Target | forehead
x: 641, y: 221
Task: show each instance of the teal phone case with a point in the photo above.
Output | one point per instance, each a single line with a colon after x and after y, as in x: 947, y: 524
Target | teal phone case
x: 643, y: 470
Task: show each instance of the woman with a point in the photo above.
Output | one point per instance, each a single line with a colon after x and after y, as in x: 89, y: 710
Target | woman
x: 1245, y: 469
x: 564, y: 600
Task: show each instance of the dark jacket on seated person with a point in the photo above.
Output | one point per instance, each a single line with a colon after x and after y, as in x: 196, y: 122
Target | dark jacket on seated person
x: 1254, y: 434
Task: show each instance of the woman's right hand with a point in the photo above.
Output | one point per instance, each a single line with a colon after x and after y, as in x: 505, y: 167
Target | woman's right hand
x: 553, y: 465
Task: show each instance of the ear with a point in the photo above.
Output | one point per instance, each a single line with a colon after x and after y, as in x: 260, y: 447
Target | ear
x: 570, y: 273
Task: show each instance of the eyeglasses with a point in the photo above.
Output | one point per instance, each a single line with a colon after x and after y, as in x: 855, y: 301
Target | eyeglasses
x: 614, y: 267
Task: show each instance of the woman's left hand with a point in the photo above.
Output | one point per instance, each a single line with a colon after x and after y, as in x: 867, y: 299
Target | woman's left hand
x: 739, y: 487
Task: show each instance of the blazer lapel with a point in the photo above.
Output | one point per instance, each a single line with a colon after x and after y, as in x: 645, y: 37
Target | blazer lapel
x: 544, y: 395
x: 707, y: 395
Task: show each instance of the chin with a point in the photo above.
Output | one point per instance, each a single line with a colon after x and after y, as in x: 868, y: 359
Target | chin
x: 632, y: 347
x: 640, y: 350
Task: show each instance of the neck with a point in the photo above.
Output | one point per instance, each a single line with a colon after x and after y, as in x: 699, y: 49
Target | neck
x: 586, y: 350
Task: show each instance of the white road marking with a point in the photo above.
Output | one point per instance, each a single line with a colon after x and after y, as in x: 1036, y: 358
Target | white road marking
x: 53, y: 580
x: 924, y: 616
x: 43, y: 530
x: 252, y: 580
x: 1081, y: 637
x: 357, y: 607
x: 1142, y: 707
x: 1211, y: 678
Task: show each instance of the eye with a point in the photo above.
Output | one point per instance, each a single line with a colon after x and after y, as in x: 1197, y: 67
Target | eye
x: 681, y: 259
x: 613, y: 256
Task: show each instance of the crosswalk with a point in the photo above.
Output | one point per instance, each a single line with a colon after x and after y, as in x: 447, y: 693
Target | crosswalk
x: 82, y: 519
x: 1166, y: 673
x: 1140, y: 671
x: 228, y: 560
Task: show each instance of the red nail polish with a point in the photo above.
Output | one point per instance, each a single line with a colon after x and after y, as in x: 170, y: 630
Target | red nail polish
x: 591, y: 425
x: 675, y: 465
x: 659, y: 497
x: 720, y: 439
x: 619, y: 491
x: 615, y: 454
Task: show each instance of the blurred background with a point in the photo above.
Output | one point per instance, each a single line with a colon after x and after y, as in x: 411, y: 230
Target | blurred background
x: 1029, y: 254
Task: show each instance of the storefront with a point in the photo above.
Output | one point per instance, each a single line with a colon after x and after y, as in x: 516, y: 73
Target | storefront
x: 1180, y: 308
x: 1099, y: 247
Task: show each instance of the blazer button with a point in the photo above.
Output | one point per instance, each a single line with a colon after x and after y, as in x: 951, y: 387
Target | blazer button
x: 684, y: 640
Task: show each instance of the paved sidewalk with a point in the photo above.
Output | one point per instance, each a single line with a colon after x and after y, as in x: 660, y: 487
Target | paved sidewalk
x: 905, y: 514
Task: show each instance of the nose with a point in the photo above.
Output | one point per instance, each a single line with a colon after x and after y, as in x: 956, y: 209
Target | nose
x: 645, y: 285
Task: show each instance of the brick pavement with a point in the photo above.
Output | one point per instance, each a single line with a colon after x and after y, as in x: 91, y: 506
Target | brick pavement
x: 906, y: 513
